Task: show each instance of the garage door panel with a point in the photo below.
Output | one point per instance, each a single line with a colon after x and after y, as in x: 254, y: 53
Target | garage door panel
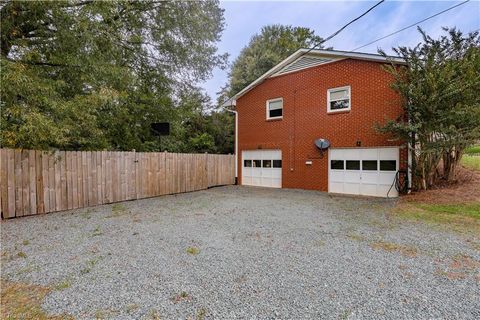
x: 351, y: 188
x: 386, y: 178
x: 369, y: 189
x: 383, y: 191
x: 256, y: 171
x: 247, y: 172
x: 351, y: 154
x: 336, y: 187
x: 247, y: 180
x: 352, y: 176
x: 262, y: 172
x: 337, y: 176
x: 372, y: 177
x: 369, y: 154
x: 369, y: 177
x: 336, y: 154
x: 388, y: 154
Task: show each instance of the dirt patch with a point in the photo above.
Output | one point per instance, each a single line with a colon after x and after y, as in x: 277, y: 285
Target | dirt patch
x: 407, y: 251
x: 452, y: 205
x: 459, y: 267
x: 466, y: 189
x: 23, y: 301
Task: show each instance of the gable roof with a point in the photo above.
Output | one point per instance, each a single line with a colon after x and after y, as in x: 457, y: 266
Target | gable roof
x: 306, y: 58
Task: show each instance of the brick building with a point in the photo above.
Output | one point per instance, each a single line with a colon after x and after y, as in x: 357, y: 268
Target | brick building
x: 321, y: 94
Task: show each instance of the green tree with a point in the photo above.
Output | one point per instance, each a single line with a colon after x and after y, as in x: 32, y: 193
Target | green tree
x: 205, y: 129
x: 273, y: 44
x: 439, y: 88
x: 95, y: 74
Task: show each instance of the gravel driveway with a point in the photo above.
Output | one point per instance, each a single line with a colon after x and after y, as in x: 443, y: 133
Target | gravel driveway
x: 244, y: 253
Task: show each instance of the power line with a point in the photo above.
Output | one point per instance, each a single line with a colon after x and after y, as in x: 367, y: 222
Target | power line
x: 412, y: 25
x: 342, y: 28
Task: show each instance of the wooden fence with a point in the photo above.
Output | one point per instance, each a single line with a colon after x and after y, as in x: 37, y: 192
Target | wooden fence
x: 34, y: 182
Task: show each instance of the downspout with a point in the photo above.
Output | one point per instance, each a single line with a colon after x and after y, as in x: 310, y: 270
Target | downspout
x: 236, y: 141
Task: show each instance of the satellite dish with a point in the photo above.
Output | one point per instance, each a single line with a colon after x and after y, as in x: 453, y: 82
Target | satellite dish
x: 322, y: 144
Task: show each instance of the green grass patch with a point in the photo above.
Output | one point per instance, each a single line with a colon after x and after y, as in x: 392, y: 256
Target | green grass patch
x: 472, y: 162
x: 89, y: 265
x: 97, y: 232
x: 472, y: 149
x: 65, y: 284
x: 460, y: 217
x: 469, y: 209
x: 193, y: 250
x: 118, y: 210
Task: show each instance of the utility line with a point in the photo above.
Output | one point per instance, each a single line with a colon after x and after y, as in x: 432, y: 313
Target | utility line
x: 342, y: 28
x: 412, y: 25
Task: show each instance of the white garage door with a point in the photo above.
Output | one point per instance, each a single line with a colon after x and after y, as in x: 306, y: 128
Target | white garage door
x: 262, y: 168
x: 369, y: 172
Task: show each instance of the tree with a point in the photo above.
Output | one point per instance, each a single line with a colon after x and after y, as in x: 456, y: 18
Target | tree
x: 205, y: 129
x: 82, y: 75
x: 265, y: 50
x: 439, y: 87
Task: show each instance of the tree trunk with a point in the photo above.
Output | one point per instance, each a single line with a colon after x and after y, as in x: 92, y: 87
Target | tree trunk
x: 450, y: 162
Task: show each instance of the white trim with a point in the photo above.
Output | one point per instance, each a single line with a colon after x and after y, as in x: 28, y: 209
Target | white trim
x: 327, y: 53
x: 236, y: 139
x: 267, y: 104
x: 349, y: 99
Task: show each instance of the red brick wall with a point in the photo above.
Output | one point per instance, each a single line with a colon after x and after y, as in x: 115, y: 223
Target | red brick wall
x: 305, y: 117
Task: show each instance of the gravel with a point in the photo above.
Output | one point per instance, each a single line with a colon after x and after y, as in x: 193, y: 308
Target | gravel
x: 245, y: 253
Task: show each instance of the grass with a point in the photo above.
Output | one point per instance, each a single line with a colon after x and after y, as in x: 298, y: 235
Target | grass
x: 23, y: 301
x: 118, y: 210
x: 201, y: 314
x: 89, y: 265
x: 29, y: 268
x: 132, y: 307
x: 473, y: 149
x: 87, y: 214
x: 65, y: 284
x: 153, y: 314
x: 193, y: 250
x: 21, y: 254
x: 97, y: 232
x: 181, y: 297
x: 471, y: 162
x: 356, y: 237
x: 460, y: 217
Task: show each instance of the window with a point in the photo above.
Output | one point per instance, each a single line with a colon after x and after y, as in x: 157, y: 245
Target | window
x: 267, y: 163
x: 370, y: 165
x: 338, y: 99
x: 388, y: 165
x: 247, y: 163
x: 336, y: 164
x: 275, y: 108
x: 277, y: 163
x: 353, y: 164
x: 257, y: 163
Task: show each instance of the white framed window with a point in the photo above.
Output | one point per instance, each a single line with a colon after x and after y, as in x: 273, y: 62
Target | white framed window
x: 275, y: 108
x: 338, y: 99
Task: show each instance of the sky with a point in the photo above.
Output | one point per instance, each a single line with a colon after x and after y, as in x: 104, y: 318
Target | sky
x: 243, y: 19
